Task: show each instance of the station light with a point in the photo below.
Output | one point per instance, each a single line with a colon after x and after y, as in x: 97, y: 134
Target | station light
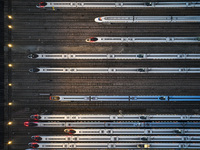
x: 10, y: 104
x: 10, y: 84
x: 9, y: 45
x: 10, y: 65
x: 9, y: 142
x: 10, y: 26
x: 9, y: 16
x: 10, y: 123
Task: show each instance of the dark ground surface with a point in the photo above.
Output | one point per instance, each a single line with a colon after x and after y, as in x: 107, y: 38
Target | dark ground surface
x: 65, y: 31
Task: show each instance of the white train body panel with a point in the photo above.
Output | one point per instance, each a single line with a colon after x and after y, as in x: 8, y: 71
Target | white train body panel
x: 74, y: 98
x: 186, y: 19
x: 51, y: 124
x: 147, y: 19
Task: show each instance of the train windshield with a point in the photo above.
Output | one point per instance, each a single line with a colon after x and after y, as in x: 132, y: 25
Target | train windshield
x: 36, y: 138
x: 34, y: 55
x: 33, y: 145
x: 42, y: 4
x: 35, y: 117
x: 55, y: 98
x: 94, y: 39
x: 68, y: 131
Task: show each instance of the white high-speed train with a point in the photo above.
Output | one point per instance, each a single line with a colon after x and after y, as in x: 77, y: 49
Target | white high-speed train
x: 143, y: 39
x: 69, y: 98
x: 66, y: 146
x: 116, y: 138
x: 147, y: 19
x: 63, y: 5
x: 102, y: 117
x: 112, y: 56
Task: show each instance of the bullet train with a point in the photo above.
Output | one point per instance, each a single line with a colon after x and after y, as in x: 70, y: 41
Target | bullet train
x: 89, y: 145
x: 123, y: 98
x: 147, y: 19
x: 143, y: 40
x: 113, y: 56
x: 118, y: 138
x: 119, y: 124
x: 174, y: 131
x: 113, y: 70
x: 63, y: 5
x: 123, y: 117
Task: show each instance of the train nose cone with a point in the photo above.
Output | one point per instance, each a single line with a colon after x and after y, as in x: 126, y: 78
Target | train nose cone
x: 97, y: 20
x: 30, y: 56
x: 31, y: 70
x: 26, y: 124
x: 87, y: 40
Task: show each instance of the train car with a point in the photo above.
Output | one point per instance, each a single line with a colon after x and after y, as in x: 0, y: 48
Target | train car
x: 143, y: 40
x: 147, y: 19
x: 66, y: 98
x: 123, y: 117
x: 63, y: 5
x: 69, y: 98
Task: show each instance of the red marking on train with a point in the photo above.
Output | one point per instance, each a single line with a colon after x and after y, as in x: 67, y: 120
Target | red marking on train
x: 26, y: 124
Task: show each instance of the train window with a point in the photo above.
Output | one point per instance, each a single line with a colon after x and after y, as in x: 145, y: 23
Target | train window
x: 94, y: 39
